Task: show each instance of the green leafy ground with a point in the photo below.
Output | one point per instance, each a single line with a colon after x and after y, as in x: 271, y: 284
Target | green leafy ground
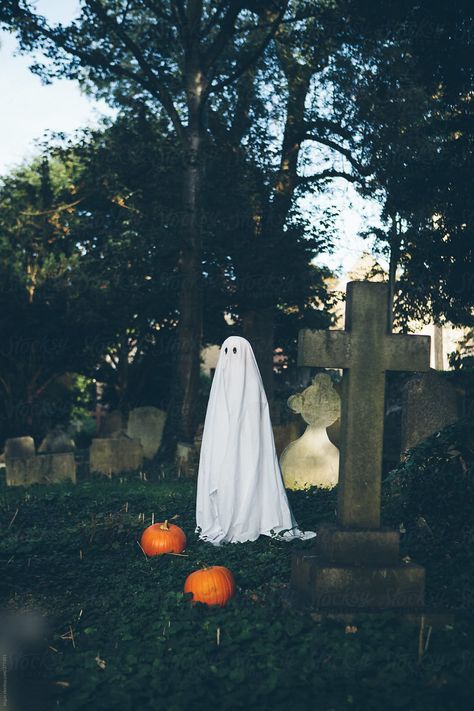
x: 122, y: 636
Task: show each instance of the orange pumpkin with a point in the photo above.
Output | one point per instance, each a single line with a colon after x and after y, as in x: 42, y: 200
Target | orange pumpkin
x: 163, y: 538
x: 213, y: 586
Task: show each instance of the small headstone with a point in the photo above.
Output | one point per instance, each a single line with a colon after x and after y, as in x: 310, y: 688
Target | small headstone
x: 41, y: 469
x: 146, y: 424
x: 111, y: 423
x: 19, y: 447
x: 430, y: 403
x: 186, y: 459
x: 115, y: 456
x: 57, y: 441
x: 312, y: 460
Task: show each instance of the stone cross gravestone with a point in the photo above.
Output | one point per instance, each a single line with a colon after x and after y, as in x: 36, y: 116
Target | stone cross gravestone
x: 355, y: 564
x: 312, y: 459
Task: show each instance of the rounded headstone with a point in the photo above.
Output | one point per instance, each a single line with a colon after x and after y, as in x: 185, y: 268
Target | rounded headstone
x: 19, y: 448
x: 57, y: 441
x: 110, y: 423
x: 146, y: 424
x: 312, y: 460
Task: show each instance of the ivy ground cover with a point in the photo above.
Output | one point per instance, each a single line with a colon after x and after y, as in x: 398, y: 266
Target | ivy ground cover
x: 115, y: 630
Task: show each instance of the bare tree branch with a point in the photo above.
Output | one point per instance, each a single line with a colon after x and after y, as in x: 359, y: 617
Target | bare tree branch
x: 213, y: 20
x: 158, y: 11
x: 326, y: 175
x: 225, y: 33
x: 253, y: 56
x: 245, y: 94
x: 324, y: 124
x: 217, y: 125
x: 346, y: 152
x: 179, y: 17
x: 160, y: 89
x: 60, y: 208
x: 95, y: 57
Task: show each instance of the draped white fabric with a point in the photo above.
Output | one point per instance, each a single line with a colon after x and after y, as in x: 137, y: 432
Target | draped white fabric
x: 240, y: 493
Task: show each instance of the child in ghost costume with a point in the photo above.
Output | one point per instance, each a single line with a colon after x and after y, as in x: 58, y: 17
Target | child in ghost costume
x: 240, y: 491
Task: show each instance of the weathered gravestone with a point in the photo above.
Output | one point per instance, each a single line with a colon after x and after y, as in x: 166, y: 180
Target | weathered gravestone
x: 41, y: 469
x: 313, y: 460
x: 115, y: 456
x: 147, y: 424
x: 111, y: 423
x: 355, y: 564
x: 19, y: 447
x: 24, y: 467
x: 57, y: 441
x: 429, y: 403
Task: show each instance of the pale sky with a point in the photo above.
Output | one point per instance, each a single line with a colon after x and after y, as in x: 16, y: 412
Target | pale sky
x: 29, y: 109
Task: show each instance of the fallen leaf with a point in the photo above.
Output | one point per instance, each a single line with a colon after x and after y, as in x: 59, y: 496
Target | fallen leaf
x: 351, y: 629
x: 101, y: 663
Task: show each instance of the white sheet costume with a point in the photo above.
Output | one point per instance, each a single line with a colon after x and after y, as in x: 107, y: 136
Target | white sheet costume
x: 240, y: 492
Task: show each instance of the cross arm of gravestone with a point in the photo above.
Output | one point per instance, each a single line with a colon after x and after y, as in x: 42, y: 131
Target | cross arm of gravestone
x: 326, y: 349
x: 334, y: 349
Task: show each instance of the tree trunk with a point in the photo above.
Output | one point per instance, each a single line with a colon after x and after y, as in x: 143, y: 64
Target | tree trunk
x: 181, y: 422
x: 258, y: 329
x: 259, y: 322
x: 190, y: 298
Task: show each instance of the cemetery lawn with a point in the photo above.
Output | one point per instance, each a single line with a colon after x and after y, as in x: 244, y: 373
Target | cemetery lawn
x: 121, y: 635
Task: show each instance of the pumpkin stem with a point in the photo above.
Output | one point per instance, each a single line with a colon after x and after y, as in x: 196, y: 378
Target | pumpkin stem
x: 165, y: 526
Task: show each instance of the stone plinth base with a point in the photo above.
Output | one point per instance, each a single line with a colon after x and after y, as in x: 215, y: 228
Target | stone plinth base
x: 326, y: 585
x: 344, y: 546
x: 438, y: 619
x: 357, y: 570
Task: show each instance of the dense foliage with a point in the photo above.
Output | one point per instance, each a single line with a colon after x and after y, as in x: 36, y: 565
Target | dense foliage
x: 232, y: 117
x: 413, y: 102
x: 120, y: 633
x: 431, y: 496
x: 89, y: 271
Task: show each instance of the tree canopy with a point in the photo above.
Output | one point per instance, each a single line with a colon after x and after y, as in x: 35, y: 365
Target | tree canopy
x: 183, y: 219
